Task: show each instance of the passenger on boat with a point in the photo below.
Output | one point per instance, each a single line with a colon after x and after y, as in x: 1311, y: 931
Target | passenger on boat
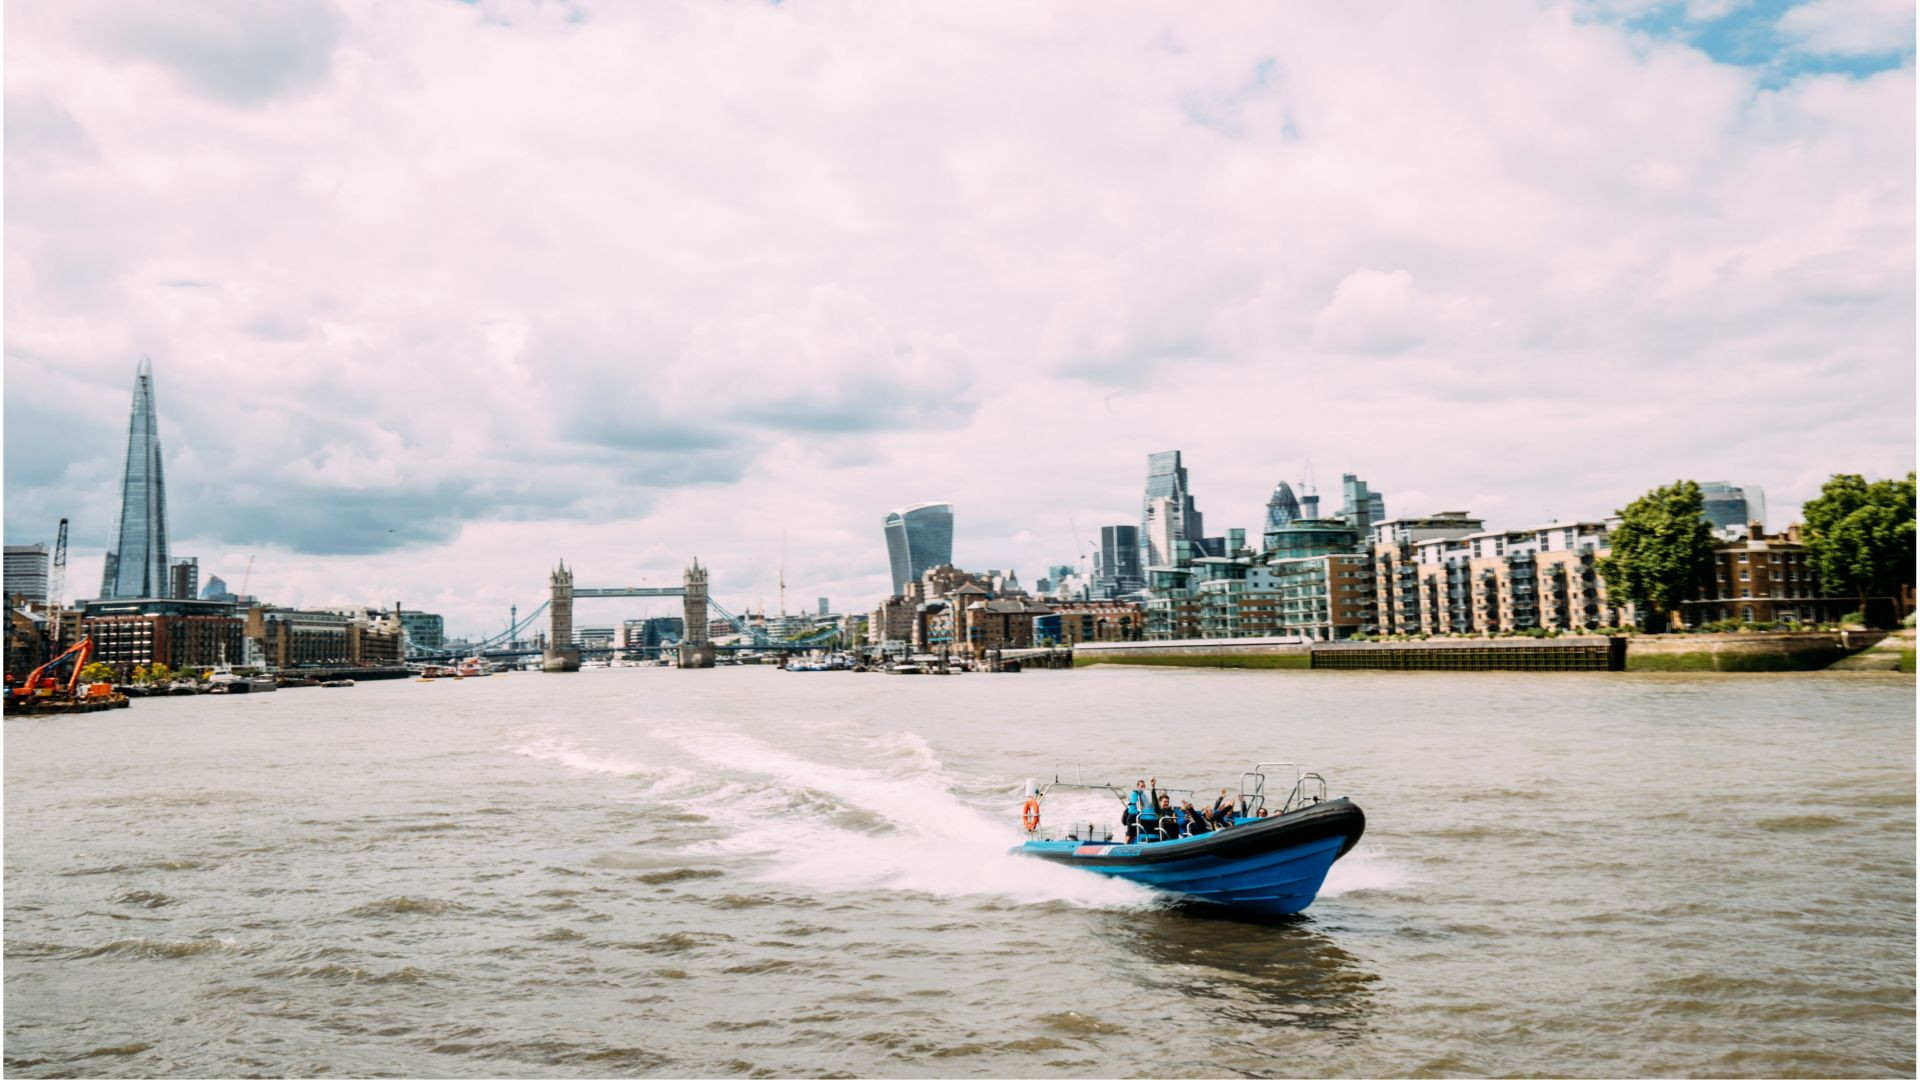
x: 1223, y: 810
x: 1148, y: 820
x: 1196, y: 822
x: 1130, y: 817
x: 1169, y: 818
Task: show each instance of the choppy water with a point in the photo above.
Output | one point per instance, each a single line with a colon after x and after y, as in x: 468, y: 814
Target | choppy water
x: 754, y: 872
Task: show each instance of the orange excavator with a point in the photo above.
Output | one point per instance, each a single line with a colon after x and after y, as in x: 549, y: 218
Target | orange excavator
x: 41, y: 684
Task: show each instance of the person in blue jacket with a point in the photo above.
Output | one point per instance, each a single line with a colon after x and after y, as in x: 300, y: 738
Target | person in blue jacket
x: 1130, y: 817
x: 1150, y: 807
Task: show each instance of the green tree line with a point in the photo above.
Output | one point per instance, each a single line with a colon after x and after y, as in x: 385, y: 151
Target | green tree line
x: 1859, y: 537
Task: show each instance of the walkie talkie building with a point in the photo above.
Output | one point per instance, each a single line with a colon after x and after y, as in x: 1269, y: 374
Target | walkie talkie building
x: 136, y: 566
x: 919, y: 538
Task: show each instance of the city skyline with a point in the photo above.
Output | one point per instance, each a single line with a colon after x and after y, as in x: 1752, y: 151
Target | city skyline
x: 1260, y: 238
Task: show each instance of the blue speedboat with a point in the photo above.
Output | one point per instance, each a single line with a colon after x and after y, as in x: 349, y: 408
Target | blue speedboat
x: 1261, y: 865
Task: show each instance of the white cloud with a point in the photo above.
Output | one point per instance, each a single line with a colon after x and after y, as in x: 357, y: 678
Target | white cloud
x: 436, y: 295
x: 1850, y: 27
x: 1372, y: 312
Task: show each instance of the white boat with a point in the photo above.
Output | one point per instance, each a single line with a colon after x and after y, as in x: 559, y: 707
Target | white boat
x: 225, y: 681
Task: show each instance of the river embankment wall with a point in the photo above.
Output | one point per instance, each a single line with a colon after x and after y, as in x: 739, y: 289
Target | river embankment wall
x: 1747, y: 652
x: 1675, y: 652
x: 1270, y: 652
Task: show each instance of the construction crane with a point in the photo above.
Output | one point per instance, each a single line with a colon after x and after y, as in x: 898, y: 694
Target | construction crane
x: 246, y: 577
x: 57, y: 577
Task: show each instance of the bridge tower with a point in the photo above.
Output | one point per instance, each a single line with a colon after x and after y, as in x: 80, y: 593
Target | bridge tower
x: 696, y: 649
x: 560, y: 653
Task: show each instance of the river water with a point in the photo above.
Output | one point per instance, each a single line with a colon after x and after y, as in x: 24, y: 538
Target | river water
x: 752, y: 872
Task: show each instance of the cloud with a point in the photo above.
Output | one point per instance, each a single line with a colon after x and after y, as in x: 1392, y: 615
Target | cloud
x: 436, y: 294
x: 1372, y: 312
x: 1850, y: 27
x: 228, y: 50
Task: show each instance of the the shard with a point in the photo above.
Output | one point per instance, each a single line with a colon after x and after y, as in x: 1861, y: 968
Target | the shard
x: 137, y: 551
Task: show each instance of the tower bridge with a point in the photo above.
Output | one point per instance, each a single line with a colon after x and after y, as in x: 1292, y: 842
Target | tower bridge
x: 696, y: 646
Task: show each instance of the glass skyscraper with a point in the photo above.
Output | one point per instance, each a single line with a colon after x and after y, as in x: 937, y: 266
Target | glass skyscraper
x: 1120, y: 557
x: 919, y: 538
x: 137, y: 565
x: 1167, y: 513
x: 1729, y: 507
x: 1360, y: 507
x: 1282, y: 508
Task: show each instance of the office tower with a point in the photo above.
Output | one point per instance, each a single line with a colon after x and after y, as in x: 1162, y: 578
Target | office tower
x: 1729, y: 507
x: 1168, y: 515
x: 425, y: 630
x: 136, y: 564
x: 215, y: 589
x: 1282, y: 508
x: 823, y: 606
x: 1120, y: 557
x: 183, y: 577
x: 1376, y: 507
x: 919, y: 538
x: 27, y: 569
x: 1357, y: 503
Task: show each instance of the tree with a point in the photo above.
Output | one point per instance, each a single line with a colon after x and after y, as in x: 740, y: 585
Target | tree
x: 1663, y: 552
x: 97, y: 672
x: 1860, y: 537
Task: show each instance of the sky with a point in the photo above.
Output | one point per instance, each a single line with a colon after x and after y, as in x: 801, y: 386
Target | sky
x: 440, y: 293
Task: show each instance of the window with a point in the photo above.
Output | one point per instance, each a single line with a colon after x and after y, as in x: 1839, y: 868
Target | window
x: 1743, y: 573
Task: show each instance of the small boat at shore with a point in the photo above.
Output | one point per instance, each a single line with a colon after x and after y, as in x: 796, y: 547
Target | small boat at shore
x: 226, y: 682
x: 1260, y: 865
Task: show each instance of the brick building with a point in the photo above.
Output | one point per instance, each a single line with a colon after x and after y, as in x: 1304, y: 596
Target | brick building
x: 1091, y: 620
x: 178, y: 633
x: 1764, y: 578
x: 290, y: 638
x: 989, y: 625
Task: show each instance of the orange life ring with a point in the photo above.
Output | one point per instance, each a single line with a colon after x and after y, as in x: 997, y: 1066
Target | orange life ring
x: 1030, y: 814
